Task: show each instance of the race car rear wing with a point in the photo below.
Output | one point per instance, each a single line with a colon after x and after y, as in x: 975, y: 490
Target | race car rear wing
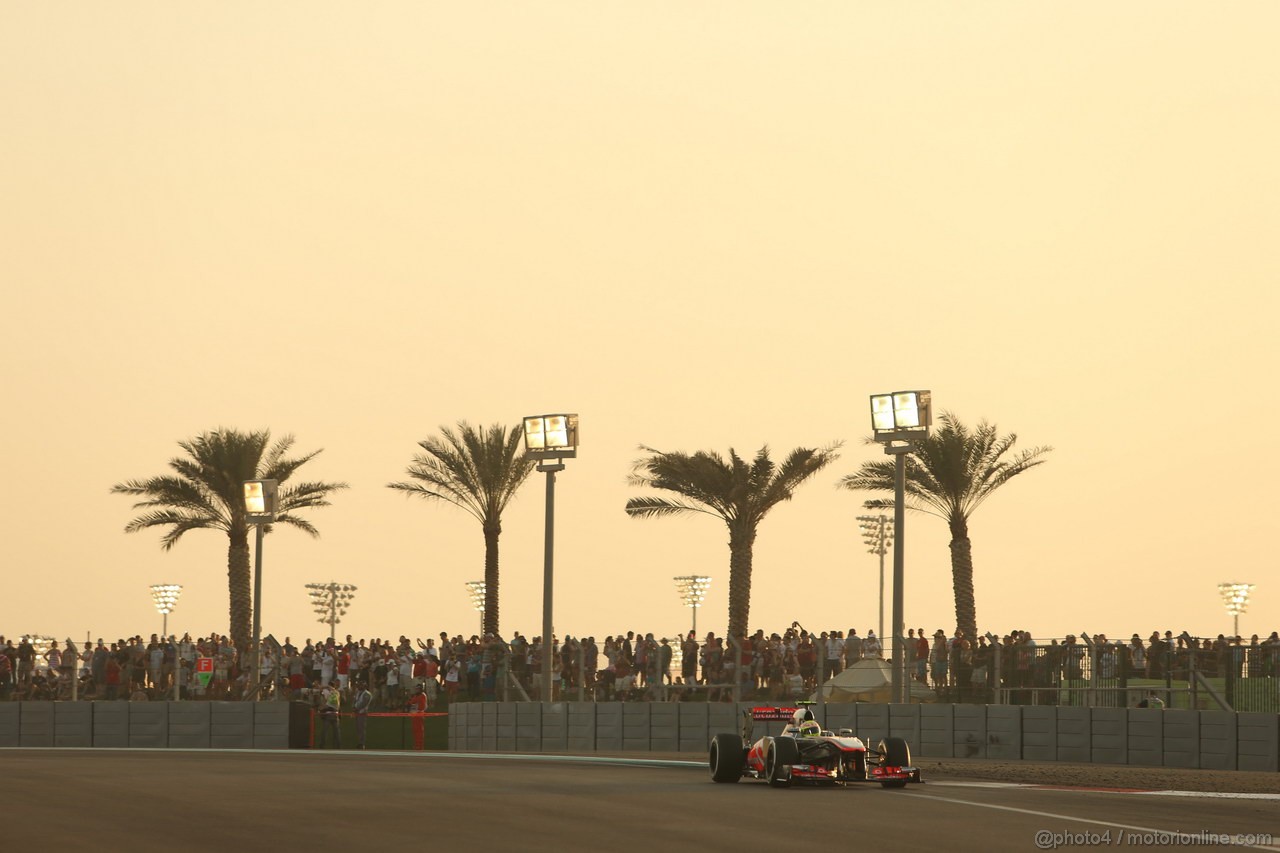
x: 774, y: 713
x: 767, y: 713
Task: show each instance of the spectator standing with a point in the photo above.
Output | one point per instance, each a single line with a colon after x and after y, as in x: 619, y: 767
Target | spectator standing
x: 26, y: 663
x: 111, y: 674
x: 391, y: 694
x: 807, y: 655
x: 689, y: 658
x: 6, y: 675
x: 451, y: 678
x: 835, y: 652
x: 98, y: 668
x: 852, y: 647
x: 871, y: 648
x: 920, y: 654
x: 938, y: 660
x: 1137, y: 656
x: 1072, y: 658
x: 330, y: 706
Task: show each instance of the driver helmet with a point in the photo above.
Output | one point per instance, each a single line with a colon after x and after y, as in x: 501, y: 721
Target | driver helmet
x: 809, y: 728
x: 800, y: 716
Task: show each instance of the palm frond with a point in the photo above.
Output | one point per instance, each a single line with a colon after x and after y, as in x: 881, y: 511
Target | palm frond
x: 654, y: 507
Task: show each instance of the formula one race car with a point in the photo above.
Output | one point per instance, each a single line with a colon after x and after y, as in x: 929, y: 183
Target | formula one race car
x: 804, y: 752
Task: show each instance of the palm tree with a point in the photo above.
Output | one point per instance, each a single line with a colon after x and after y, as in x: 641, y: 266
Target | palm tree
x: 738, y: 492
x: 478, y: 470
x: 949, y: 474
x: 206, y: 492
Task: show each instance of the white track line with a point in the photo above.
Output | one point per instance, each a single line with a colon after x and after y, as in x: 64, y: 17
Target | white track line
x: 1084, y: 789
x: 1190, y: 836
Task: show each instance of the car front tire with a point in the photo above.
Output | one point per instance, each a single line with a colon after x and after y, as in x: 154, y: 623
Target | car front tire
x: 782, y: 753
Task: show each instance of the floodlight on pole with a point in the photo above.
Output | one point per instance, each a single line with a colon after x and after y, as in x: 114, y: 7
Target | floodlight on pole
x: 549, y: 439
x: 1235, y: 596
x: 165, y: 596
x: 477, y: 589
x: 898, y: 420
x: 693, y: 590
x: 259, y: 510
x: 330, y: 602
x: 878, y: 535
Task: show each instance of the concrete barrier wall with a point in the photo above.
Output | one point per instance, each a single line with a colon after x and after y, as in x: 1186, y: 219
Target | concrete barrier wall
x: 36, y: 724
x: 10, y: 724
x: 1108, y: 734
x: 231, y: 725
x: 153, y: 725
x: 1217, y: 740
x: 188, y: 723
x: 582, y: 727
x: 937, y: 732
x: 1137, y: 736
x: 72, y: 724
x: 555, y: 727
x: 1039, y: 732
x: 111, y: 724
x: 695, y: 726
x: 1257, y: 741
x: 505, y: 736
x: 1075, y: 734
x: 1181, y: 734
x: 1004, y: 732
x: 149, y: 725
x: 270, y: 725
x: 969, y: 728
x: 1145, y: 743
x: 635, y: 726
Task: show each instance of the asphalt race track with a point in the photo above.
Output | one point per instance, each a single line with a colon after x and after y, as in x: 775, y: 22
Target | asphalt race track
x: 186, y: 802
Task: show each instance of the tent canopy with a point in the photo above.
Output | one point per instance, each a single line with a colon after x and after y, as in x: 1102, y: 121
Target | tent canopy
x: 869, y: 681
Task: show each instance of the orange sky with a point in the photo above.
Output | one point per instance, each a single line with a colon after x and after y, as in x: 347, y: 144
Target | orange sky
x: 699, y: 226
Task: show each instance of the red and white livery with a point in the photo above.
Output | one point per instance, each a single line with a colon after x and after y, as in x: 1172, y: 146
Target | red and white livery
x: 804, y: 753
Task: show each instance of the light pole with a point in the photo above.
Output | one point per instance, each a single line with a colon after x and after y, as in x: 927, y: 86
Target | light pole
x: 693, y: 589
x: 165, y: 595
x: 330, y: 601
x: 259, y: 510
x: 476, y: 590
x: 1236, y: 598
x: 549, y: 439
x: 878, y: 536
x: 898, y: 420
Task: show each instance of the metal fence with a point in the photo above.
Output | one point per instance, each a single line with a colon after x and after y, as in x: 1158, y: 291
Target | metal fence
x: 1185, y: 672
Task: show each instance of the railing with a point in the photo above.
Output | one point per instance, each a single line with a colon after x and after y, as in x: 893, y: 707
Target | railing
x: 1188, y: 673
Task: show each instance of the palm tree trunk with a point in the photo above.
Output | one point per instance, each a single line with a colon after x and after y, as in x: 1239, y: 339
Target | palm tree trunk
x: 491, y: 534
x: 962, y: 579
x: 239, y: 587
x: 740, y: 548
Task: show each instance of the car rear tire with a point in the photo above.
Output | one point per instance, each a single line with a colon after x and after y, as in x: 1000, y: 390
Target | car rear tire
x: 782, y: 753
x: 728, y: 758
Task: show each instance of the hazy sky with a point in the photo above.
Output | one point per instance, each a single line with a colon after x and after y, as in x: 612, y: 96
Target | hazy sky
x: 700, y: 226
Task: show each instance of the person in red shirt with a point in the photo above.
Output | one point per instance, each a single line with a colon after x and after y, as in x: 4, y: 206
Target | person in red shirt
x: 344, y: 667
x: 418, y: 707
x: 418, y: 702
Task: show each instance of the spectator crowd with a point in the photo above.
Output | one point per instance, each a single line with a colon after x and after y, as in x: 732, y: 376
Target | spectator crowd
x: 631, y: 666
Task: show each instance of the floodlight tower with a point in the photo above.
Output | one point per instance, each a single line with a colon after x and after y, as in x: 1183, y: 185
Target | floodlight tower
x: 330, y: 601
x: 1235, y: 596
x: 693, y: 590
